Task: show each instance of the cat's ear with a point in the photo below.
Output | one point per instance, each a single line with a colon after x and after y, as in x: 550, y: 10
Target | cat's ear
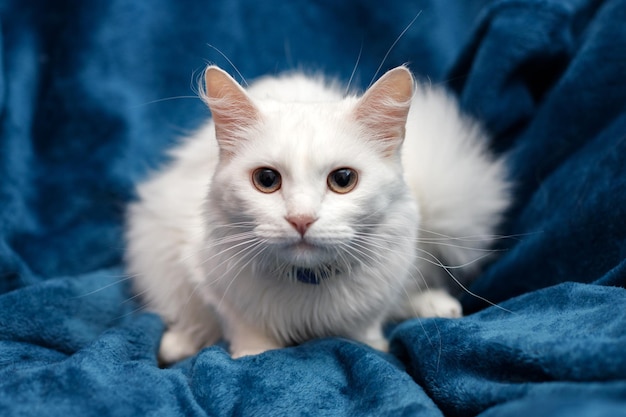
x: 384, y: 108
x: 232, y: 110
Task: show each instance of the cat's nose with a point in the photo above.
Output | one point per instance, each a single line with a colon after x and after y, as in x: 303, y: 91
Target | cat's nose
x: 301, y: 222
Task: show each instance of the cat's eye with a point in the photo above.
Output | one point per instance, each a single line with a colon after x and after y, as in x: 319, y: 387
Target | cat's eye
x: 342, y: 180
x: 266, y: 180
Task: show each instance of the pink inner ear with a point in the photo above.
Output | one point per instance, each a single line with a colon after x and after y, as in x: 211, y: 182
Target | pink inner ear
x: 232, y: 110
x: 385, y: 106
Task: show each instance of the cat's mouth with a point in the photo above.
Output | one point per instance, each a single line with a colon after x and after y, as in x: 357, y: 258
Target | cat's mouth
x: 305, y: 253
x: 304, y: 246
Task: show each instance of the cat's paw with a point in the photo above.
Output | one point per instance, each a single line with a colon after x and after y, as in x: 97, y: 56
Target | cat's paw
x: 240, y: 353
x: 374, y: 337
x: 175, y: 346
x: 248, y: 340
x: 379, y: 344
x: 251, y: 350
x: 436, y: 303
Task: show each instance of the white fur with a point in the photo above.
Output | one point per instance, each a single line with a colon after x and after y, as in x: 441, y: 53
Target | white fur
x: 189, y: 263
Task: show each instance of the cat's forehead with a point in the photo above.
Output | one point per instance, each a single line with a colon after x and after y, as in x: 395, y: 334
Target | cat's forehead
x: 308, y: 139
x: 315, y: 133
x: 295, y: 87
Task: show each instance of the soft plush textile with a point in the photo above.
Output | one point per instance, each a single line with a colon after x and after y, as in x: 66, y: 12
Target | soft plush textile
x: 94, y: 93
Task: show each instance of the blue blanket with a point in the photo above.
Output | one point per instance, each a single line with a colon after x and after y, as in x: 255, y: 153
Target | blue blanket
x: 93, y: 93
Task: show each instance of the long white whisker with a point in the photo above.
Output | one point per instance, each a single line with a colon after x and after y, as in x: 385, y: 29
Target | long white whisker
x: 104, y: 287
x: 386, y: 239
x: 136, y: 295
x: 447, y: 269
x: 442, y: 236
x: 358, y: 59
x: 230, y: 62
x: 438, y: 241
x: 463, y: 287
x: 262, y: 249
x: 233, y: 225
x: 228, y: 248
x: 160, y: 100
x: 358, y: 247
x: 130, y: 313
x: 404, y: 290
x: 210, y: 283
x: 230, y: 239
x: 393, y: 45
x: 375, y: 272
x: 461, y: 266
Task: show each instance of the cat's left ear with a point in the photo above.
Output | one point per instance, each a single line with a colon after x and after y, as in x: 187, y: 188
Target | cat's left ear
x: 384, y: 107
x: 232, y: 109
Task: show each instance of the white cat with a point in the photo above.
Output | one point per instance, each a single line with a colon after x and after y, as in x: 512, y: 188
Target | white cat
x: 298, y: 213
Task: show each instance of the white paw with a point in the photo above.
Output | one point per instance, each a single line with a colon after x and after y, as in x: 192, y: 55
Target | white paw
x: 379, y: 344
x: 436, y: 303
x: 176, y: 345
x: 236, y: 354
x: 374, y: 337
x: 250, y: 351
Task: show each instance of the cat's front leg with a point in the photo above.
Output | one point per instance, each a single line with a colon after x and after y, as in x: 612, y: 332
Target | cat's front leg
x: 176, y: 345
x: 434, y: 303
x: 246, y: 339
x: 189, y: 334
x: 373, y: 336
x: 249, y: 341
x: 194, y: 326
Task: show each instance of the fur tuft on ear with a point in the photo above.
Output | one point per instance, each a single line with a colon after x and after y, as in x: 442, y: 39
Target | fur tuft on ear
x: 232, y: 109
x: 384, y: 108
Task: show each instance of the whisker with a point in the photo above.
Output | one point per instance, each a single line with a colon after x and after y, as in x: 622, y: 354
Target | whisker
x: 217, y: 239
x: 161, y: 100
x: 461, y: 266
x: 408, y: 296
x: 130, y: 313
x: 356, y: 65
x: 443, y: 237
x: 203, y: 284
x: 393, y: 45
x: 228, y: 248
x: 359, y: 248
x: 240, y: 237
x: 104, y: 287
x: 435, y: 261
x: 464, y: 288
x: 262, y: 249
x: 208, y: 284
x: 395, y: 239
x: 230, y: 62
x: 135, y: 296
x: 233, y: 225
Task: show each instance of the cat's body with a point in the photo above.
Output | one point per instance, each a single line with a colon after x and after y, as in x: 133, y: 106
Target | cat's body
x: 289, y: 216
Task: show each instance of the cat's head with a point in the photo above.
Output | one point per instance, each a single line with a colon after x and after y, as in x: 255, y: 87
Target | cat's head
x: 302, y: 184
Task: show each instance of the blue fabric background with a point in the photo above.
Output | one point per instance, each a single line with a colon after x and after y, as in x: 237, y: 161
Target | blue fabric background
x: 93, y: 93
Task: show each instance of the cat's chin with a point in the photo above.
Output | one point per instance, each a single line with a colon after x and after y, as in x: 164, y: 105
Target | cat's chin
x: 306, y: 255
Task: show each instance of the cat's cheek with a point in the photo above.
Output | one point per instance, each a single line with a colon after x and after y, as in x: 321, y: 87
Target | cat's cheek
x: 234, y: 200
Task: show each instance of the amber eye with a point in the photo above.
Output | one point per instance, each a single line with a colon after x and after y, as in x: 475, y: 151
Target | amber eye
x: 342, y: 180
x: 266, y: 180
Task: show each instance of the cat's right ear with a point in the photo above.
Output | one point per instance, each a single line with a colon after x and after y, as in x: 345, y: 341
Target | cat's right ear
x: 232, y: 110
x: 384, y: 108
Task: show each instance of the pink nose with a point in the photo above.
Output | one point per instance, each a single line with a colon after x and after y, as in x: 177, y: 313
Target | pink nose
x: 301, y: 222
